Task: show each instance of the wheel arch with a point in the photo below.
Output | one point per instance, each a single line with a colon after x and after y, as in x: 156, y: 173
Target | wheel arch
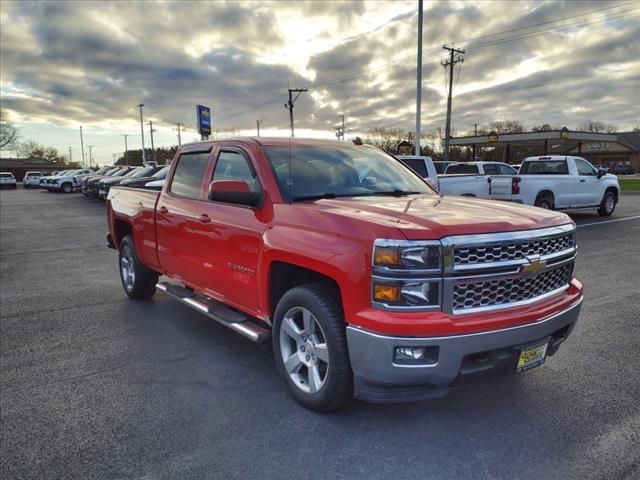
x: 121, y: 229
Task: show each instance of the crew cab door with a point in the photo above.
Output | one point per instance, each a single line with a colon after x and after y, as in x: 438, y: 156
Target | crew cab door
x: 176, y: 220
x: 587, y: 187
x: 229, y: 236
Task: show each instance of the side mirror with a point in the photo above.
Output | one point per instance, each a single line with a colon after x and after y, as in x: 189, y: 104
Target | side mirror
x: 601, y: 173
x: 234, y: 191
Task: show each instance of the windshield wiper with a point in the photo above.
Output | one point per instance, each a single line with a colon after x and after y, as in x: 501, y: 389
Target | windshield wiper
x: 314, y: 197
x: 396, y: 193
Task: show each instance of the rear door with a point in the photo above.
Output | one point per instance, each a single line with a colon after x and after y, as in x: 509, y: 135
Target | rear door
x: 228, y: 238
x: 176, y: 221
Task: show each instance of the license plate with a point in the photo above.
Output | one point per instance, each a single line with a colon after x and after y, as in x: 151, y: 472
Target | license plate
x: 532, y: 356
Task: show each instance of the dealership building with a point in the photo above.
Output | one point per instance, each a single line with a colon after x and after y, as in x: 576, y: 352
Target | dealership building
x: 608, y: 149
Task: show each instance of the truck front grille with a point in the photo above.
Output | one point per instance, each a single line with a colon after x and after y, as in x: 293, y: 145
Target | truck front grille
x: 514, y: 250
x: 488, y: 293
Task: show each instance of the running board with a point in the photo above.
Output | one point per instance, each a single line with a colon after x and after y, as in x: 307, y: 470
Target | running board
x: 230, y: 318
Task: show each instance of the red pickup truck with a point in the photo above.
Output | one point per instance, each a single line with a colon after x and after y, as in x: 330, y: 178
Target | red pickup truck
x: 367, y: 282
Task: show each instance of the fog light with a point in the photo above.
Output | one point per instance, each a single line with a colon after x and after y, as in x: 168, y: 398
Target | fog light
x: 386, y: 293
x: 415, y: 355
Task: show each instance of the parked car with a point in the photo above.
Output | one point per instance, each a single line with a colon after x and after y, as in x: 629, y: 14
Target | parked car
x: 67, y: 182
x: 622, y: 169
x: 561, y: 183
x: 8, y: 180
x: 31, y: 179
x: 44, y: 181
x: 155, y: 185
x: 140, y: 172
x: 370, y: 286
x: 139, y: 180
x: 89, y: 186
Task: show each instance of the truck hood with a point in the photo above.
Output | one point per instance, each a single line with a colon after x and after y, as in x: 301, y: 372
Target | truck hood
x: 429, y: 217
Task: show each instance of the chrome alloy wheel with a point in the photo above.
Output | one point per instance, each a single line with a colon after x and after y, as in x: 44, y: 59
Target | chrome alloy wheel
x: 304, y: 350
x: 126, y: 268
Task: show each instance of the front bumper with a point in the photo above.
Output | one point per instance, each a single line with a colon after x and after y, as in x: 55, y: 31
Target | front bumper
x: 459, y: 357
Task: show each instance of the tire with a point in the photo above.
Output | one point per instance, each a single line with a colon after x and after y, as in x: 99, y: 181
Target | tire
x: 315, y: 308
x: 138, y: 281
x: 66, y: 187
x: 608, y: 203
x: 544, y: 200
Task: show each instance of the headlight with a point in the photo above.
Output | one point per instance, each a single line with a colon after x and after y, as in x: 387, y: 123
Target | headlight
x: 406, y: 275
x: 406, y: 255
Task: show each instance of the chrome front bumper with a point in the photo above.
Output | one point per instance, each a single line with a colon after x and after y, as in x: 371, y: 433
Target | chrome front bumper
x: 379, y: 379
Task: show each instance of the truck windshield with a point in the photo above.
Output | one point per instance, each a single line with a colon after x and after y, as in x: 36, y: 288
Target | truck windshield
x: 548, y: 167
x: 340, y: 171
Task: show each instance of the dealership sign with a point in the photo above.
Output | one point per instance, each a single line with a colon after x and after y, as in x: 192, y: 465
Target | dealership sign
x: 204, y: 120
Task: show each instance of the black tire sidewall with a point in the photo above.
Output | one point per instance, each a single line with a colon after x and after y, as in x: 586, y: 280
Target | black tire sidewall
x: 338, y: 387
x: 144, y: 285
x: 603, y: 208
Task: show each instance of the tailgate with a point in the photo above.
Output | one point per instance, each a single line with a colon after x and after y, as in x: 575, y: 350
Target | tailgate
x: 500, y: 187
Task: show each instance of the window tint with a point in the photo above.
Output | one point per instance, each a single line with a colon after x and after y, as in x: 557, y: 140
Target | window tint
x: 188, y: 174
x: 234, y: 166
x: 462, y: 168
x: 584, y: 168
x: 417, y: 166
x: 550, y: 167
x: 491, y: 169
x: 441, y: 166
x: 506, y: 170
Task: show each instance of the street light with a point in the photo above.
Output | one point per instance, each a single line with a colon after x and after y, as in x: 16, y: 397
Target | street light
x: 144, y: 157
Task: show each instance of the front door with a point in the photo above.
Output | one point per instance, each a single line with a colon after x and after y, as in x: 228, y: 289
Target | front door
x: 229, y: 237
x: 586, y: 187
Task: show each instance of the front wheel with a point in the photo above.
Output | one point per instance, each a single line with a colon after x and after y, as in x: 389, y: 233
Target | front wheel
x: 608, y: 204
x: 138, y: 281
x: 67, y: 187
x: 310, y: 346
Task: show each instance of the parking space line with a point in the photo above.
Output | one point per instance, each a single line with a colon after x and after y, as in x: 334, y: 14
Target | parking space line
x: 608, y: 221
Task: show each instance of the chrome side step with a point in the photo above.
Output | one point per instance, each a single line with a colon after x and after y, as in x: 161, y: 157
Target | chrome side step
x: 230, y: 318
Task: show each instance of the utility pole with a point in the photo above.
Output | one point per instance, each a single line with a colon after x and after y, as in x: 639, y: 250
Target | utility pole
x: 144, y: 157
x: 70, y: 155
x: 451, y: 63
x: 179, y: 139
x: 475, y: 133
x: 90, y: 151
x: 419, y: 79
x: 126, y: 149
x: 153, y: 150
x: 82, y: 147
x: 342, y: 129
x: 292, y: 100
x: 258, y: 122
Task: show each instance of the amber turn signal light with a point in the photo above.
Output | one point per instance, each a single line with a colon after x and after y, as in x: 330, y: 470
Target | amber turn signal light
x: 386, y: 256
x: 386, y: 293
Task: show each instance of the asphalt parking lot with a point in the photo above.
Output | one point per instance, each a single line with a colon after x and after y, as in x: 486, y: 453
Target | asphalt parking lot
x: 94, y: 385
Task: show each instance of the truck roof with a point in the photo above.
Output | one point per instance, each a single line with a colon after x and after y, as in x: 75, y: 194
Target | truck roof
x: 548, y: 157
x: 267, y: 141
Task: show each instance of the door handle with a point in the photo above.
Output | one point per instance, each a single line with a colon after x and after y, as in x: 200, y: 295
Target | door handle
x: 582, y: 181
x: 163, y: 210
x: 204, y: 218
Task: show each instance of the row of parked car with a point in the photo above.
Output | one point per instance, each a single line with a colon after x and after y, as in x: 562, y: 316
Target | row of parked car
x: 93, y: 183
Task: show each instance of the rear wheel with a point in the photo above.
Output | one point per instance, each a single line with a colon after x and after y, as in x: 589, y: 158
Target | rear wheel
x: 544, y: 200
x: 608, y: 204
x: 138, y: 281
x: 310, y: 346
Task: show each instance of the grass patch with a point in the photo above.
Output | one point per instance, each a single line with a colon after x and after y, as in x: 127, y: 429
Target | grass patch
x: 629, y: 184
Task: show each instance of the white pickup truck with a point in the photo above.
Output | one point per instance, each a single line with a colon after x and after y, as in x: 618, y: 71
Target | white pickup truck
x: 469, y: 179
x: 559, y: 183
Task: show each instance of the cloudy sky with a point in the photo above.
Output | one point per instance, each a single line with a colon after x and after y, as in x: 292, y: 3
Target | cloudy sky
x: 66, y: 64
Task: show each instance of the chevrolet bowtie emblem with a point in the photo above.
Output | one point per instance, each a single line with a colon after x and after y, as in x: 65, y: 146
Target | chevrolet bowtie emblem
x: 535, y: 265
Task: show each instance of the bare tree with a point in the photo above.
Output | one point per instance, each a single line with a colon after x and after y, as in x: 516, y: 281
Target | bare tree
x: 596, y: 126
x: 8, y: 132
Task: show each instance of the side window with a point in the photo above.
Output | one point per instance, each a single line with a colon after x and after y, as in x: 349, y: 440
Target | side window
x: 188, y: 174
x: 506, y: 170
x: 234, y: 166
x: 417, y: 166
x: 491, y: 169
x: 584, y: 168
